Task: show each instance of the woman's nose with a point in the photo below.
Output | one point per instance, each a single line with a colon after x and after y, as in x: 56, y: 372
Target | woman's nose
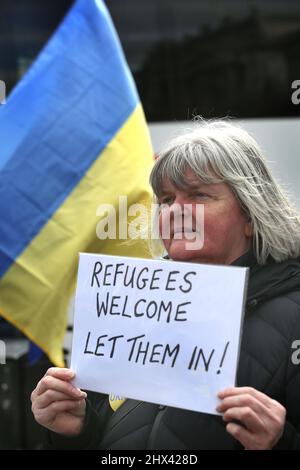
x: 180, y: 199
x: 178, y: 208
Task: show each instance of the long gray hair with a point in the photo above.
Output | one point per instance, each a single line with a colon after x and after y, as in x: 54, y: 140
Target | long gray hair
x: 218, y: 151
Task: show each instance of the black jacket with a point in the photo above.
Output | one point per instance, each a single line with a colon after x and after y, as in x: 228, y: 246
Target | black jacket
x: 272, y: 323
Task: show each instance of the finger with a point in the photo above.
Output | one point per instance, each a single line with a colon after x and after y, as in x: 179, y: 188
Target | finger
x: 246, y: 416
x: 50, y: 396
x: 245, y: 400
x: 47, y: 415
x: 233, y: 391
x: 240, y: 434
x: 62, y: 373
x: 50, y: 382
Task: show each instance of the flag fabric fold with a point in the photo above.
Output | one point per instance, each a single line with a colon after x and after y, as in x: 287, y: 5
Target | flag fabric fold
x: 73, y: 136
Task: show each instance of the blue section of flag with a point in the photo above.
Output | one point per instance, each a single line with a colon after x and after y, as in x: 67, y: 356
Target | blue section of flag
x: 34, y: 354
x: 57, y: 121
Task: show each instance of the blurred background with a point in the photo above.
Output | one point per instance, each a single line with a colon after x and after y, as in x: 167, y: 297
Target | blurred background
x: 212, y: 58
x: 208, y: 57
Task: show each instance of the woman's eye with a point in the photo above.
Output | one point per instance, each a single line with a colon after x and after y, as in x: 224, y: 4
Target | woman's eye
x: 201, y: 195
x: 166, y: 200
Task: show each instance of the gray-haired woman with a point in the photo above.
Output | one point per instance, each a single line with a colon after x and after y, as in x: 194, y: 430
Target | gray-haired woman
x: 247, y: 222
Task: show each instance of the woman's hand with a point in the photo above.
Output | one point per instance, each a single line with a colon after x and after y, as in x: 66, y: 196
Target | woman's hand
x: 262, y: 419
x: 57, y: 404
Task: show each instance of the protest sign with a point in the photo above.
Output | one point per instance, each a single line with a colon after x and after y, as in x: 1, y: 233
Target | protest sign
x: 155, y: 330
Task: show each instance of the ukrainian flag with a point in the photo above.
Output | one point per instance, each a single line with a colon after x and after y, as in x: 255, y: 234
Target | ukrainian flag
x: 72, y: 136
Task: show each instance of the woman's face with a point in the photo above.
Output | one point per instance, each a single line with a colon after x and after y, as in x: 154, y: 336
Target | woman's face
x: 227, y: 232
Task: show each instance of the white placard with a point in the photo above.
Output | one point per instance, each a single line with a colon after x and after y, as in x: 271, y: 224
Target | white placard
x: 159, y: 331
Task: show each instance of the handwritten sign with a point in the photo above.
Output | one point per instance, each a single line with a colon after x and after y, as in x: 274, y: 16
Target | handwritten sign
x: 159, y: 331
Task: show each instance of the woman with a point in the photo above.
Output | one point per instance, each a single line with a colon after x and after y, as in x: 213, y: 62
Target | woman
x: 247, y: 222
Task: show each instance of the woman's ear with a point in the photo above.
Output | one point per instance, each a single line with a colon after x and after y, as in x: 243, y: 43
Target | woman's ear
x: 249, y: 229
